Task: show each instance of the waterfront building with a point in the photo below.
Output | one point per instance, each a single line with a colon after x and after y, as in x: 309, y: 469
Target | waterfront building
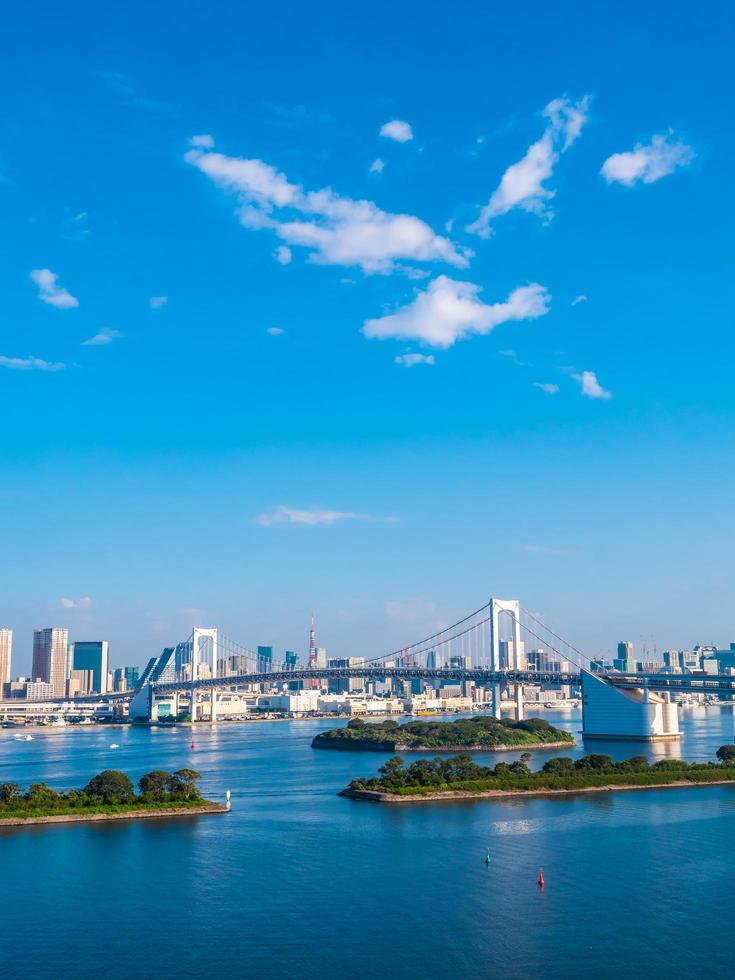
x: 40, y: 691
x: 238, y: 664
x: 81, y: 682
x: 265, y: 659
x: 511, y: 659
x: 6, y: 652
x: 125, y: 679
x: 50, y: 658
x: 91, y: 655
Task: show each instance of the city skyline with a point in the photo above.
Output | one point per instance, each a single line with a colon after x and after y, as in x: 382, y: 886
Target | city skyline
x: 272, y: 346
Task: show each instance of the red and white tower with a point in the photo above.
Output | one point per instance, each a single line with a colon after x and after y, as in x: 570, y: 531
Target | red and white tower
x: 313, y: 683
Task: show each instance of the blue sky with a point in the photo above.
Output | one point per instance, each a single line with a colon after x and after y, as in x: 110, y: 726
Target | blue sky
x: 280, y: 294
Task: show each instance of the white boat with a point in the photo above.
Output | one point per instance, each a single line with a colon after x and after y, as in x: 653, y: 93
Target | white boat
x: 114, y: 745
x: 23, y: 738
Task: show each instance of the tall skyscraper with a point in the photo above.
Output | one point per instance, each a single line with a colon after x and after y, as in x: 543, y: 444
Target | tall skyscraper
x: 91, y: 655
x: 50, y: 658
x: 265, y: 659
x: 6, y: 653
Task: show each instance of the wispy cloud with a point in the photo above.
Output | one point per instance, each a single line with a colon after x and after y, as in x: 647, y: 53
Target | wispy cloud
x: 591, y: 387
x: 203, y: 141
x: 50, y: 292
x: 579, y: 299
x: 377, y: 166
x: 283, y: 255
x: 647, y: 163
x: 411, y: 360
x: 84, y: 603
x: 336, y: 230
x: 397, y: 130
x: 105, y: 336
x: 30, y: 364
x: 448, y: 311
x: 547, y: 388
x: 275, y: 331
x: 522, y: 184
x: 290, y: 515
x: 157, y: 302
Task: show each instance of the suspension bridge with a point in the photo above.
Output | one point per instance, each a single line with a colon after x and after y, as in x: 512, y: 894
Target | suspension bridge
x: 498, y: 647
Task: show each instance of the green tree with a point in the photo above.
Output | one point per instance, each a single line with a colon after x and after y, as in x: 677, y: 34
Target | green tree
x: 726, y: 754
x: 596, y: 761
x: 182, y: 785
x: 9, y: 792
x: 111, y: 787
x: 153, y: 785
x: 41, y: 795
x: 561, y: 765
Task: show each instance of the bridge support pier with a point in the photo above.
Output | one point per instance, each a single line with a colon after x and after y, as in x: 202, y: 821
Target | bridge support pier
x: 520, y: 708
x: 213, y: 711
x: 637, y: 714
x: 495, y: 700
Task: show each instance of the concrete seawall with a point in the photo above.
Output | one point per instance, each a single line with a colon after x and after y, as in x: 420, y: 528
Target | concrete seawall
x: 66, y: 818
x: 356, y: 745
x: 502, y: 794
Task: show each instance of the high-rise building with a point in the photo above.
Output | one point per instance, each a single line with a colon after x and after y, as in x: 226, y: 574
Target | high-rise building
x: 6, y: 653
x: 125, y: 679
x: 265, y: 659
x: 81, y: 681
x: 91, y: 655
x: 50, y: 658
x: 625, y: 661
x: 290, y: 660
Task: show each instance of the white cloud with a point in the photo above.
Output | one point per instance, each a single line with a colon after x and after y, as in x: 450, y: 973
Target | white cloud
x: 275, y: 331
x: 204, y: 141
x: 377, y: 166
x: 156, y: 302
x: 84, y: 603
x: 411, y: 360
x: 647, y: 163
x: 591, y: 387
x: 336, y: 230
x: 282, y: 254
x: 105, y: 336
x: 397, y: 130
x: 579, y: 299
x: 448, y: 311
x: 522, y: 184
x: 289, y: 515
x: 30, y: 364
x: 549, y: 389
x: 49, y: 292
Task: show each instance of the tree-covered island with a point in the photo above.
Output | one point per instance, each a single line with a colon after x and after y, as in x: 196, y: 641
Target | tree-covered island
x: 478, y: 733
x: 109, y: 793
x: 462, y: 777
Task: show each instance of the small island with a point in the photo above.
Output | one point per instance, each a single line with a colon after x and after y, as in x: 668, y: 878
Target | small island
x: 109, y: 795
x: 462, y: 778
x: 481, y: 733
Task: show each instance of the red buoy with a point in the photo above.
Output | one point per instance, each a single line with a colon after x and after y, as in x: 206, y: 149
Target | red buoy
x: 193, y: 746
x: 541, y: 878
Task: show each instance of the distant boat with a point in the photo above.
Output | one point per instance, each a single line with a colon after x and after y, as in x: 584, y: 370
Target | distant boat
x: 23, y: 738
x: 488, y: 858
x: 114, y: 745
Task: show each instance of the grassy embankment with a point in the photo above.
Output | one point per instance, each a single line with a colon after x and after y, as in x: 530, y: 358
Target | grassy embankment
x: 462, y: 775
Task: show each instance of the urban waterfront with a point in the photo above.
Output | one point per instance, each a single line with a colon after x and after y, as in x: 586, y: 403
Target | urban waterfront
x: 298, y: 880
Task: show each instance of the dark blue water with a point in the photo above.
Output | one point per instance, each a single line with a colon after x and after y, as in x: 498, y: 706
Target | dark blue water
x: 298, y: 881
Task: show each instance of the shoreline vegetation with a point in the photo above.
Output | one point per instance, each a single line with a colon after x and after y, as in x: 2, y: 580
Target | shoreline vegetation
x: 482, y: 733
x: 462, y: 778
x: 109, y: 795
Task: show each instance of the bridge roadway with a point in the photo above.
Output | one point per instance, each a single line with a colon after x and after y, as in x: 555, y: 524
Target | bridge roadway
x: 482, y: 676
x: 676, y: 683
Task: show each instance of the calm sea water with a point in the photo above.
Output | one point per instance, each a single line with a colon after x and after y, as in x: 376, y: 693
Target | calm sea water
x: 297, y: 881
